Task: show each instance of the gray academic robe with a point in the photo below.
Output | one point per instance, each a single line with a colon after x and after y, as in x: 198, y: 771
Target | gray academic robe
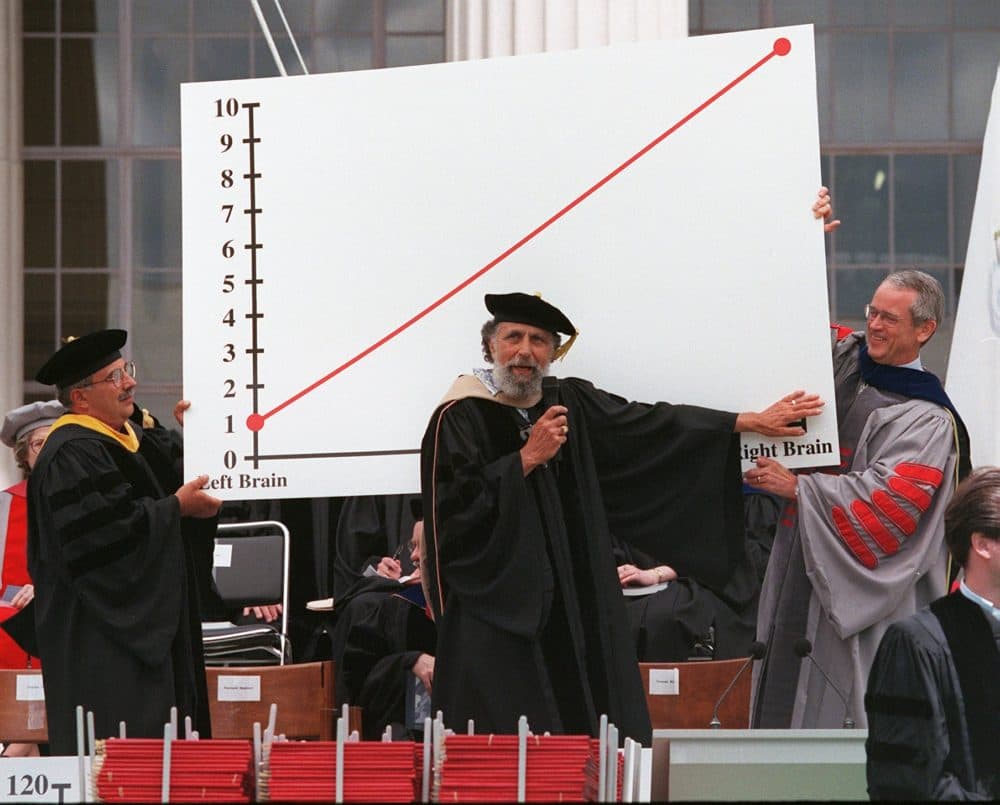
x: 864, y: 547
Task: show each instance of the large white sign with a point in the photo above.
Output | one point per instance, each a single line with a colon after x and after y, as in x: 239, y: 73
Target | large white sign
x: 340, y: 232
x: 974, y: 363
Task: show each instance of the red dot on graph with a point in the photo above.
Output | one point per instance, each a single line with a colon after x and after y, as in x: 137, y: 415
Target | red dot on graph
x: 782, y: 47
x: 255, y: 422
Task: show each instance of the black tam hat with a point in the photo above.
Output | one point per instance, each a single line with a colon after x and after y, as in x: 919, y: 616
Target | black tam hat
x: 523, y: 308
x: 81, y: 357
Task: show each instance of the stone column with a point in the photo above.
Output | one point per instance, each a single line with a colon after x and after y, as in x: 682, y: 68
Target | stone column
x: 478, y: 29
x: 11, y: 226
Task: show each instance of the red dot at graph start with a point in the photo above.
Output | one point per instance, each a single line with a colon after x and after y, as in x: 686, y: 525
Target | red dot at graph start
x: 255, y: 422
x: 782, y: 47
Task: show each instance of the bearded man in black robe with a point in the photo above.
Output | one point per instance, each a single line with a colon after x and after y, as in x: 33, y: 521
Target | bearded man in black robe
x: 116, y: 605
x: 521, y: 496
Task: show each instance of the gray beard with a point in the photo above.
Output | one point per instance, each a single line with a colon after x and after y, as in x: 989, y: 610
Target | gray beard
x: 514, y: 387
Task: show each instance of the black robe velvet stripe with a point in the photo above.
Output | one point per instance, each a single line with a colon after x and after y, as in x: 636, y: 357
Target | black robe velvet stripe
x: 115, y: 605
x: 531, y: 618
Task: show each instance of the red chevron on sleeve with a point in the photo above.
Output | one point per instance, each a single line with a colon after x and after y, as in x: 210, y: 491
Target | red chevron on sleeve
x: 885, y: 503
x: 921, y: 473
x: 911, y: 492
x: 854, y: 542
x: 870, y: 522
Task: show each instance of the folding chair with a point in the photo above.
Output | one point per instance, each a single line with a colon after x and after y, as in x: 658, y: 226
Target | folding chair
x: 250, y: 569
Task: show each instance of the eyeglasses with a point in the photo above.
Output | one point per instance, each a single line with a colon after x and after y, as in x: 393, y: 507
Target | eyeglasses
x: 872, y: 313
x: 36, y: 444
x: 117, y: 377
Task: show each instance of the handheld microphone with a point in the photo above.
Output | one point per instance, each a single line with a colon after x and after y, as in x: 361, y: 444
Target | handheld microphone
x: 550, y: 397
x: 757, y: 651
x: 803, y: 648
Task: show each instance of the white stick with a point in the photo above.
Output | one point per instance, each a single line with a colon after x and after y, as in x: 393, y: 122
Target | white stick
x: 612, y: 777
x: 341, y: 740
x: 187, y: 728
x: 602, y: 759
x: 173, y: 723
x: 425, y: 786
x: 168, y: 734
x: 257, y: 759
x: 267, y: 36
x: 628, y: 778
x: 90, y: 733
x: 272, y: 718
x: 121, y: 730
x: 80, y: 752
x: 470, y: 728
x: 291, y: 36
x: 522, y: 757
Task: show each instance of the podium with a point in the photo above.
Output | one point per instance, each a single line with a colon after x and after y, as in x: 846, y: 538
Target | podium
x: 241, y: 695
x: 755, y: 765
x: 22, y: 706
x: 682, y: 695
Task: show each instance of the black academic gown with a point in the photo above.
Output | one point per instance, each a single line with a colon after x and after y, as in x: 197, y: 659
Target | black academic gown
x: 385, y: 635
x: 115, y: 592
x: 530, y: 615
x: 933, y: 706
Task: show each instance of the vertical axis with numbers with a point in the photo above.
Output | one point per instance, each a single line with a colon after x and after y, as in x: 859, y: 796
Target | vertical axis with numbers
x: 254, y: 350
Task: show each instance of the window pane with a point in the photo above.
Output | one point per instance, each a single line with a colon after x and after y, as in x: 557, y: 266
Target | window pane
x: 298, y: 13
x: 966, y: 176
x: 39, y: 320
x: 38, y: 15
x: 89, y: 302
x: 854, y: 290
x: 221, y: 59
x: 861, y: 87
x: 976, y: 56
x: 263, y: 61
x: 921, y: 12
x: 921, y: 209
x: 862, y: 199
x: 160, y: 67
x: 89, y: 92
x: 157, y: 17
x: 89, y: 214
x: 823, y: 85
x: 861, y: 12
x: 157, y: 213
x: 345, y: 15
x: 731, y: 14
x: 414, y: 15
x: 333, y: 54
x: 89, y: 16
x: 228, y: 16
x: 403, y: 50
x: 40, y: 214
x: 156, y: 340
x: 800, y: 12
x: 39, y: 65
x: 976, y: 13
x: 920, y: 96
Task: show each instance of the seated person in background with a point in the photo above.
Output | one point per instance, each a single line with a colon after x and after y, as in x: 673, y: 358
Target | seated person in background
x: 388, y: 642
x: 24, y: 430
x: 372, y: 532
x: 932, y: 702
x: 688, y: 619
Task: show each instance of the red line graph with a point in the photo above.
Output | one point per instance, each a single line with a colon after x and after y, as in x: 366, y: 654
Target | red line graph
x: 781, y: 47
